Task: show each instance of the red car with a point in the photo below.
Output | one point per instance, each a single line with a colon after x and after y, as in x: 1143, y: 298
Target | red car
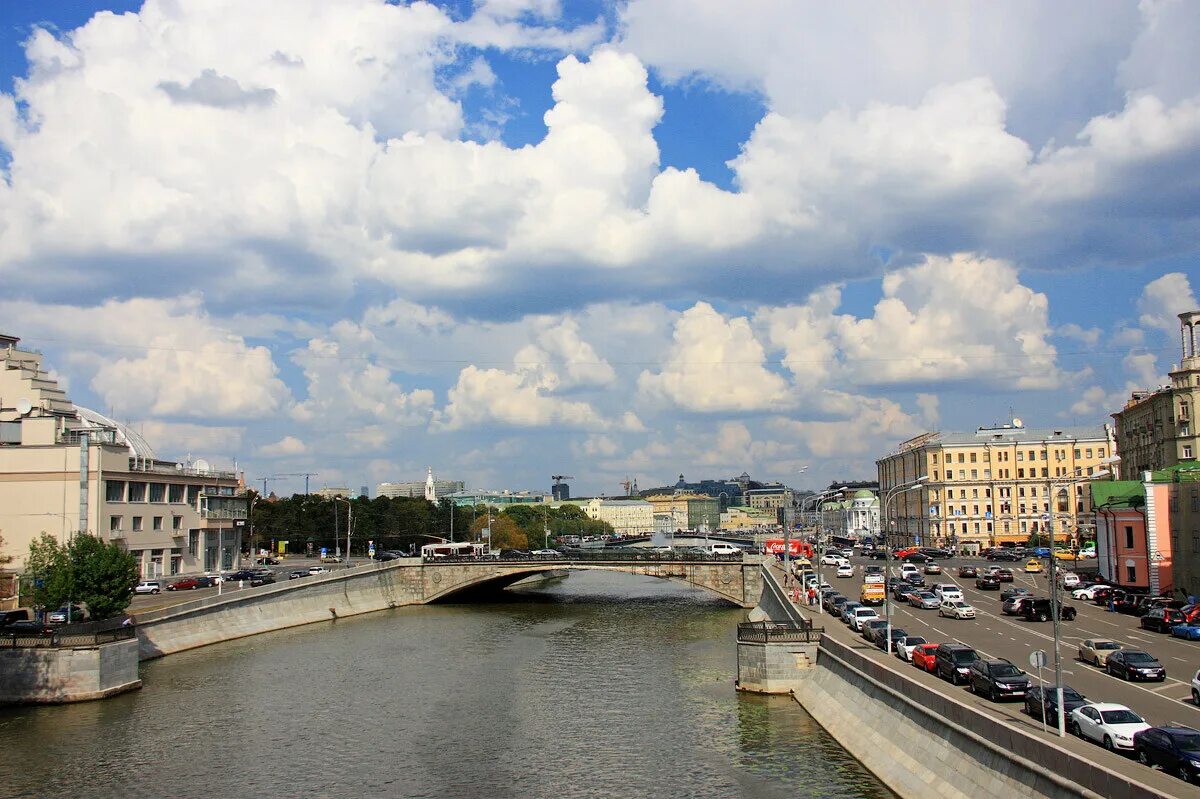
x: 187, y: 583
x: 1004, y: 575
x: 922, y: 657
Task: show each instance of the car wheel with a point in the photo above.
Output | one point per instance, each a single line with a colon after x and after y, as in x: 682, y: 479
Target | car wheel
x: 1042, y: 617
x: 1184, y: 774
x: 1108, y: 744
x: 1143, y: 758
x: 1195, y: 697
x: 1096, y: 661
x: 155, y: 591
x: 992, y: 694
x: 1073, y: 728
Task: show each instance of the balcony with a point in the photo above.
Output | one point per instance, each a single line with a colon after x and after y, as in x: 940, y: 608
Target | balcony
x: 223, y: 513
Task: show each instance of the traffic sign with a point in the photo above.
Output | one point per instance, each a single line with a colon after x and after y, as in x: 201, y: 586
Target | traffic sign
x: 1045, y: 517
x: 1038, y: 659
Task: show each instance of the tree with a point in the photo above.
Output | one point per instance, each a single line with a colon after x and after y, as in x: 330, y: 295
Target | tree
x: 87, y: 570
x: 4, y: 559
x: 505, y: 532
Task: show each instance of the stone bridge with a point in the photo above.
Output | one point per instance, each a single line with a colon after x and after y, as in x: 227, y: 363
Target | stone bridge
x: 379, y: 586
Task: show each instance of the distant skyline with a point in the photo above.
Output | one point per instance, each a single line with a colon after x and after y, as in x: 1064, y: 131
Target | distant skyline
x: 517, y: 238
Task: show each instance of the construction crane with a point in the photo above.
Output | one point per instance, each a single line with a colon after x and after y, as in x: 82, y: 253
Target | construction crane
x: 626, y: 485
x: 266, y: 480
x: 305, y: 475
x: 564, y: 492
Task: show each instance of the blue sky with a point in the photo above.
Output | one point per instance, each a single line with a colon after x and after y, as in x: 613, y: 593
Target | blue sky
x: 511, y: 238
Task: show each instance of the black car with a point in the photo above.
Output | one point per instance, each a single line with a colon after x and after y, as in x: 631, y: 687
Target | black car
x: 967, y: 571
x: 953, y: 662
x: 7, y: 617
x: 1040, y: 610
x: 987, y: 582
x: 267, y: 562
x: 878, y: 554
x: 915, y: 579
x: 901, y: 589
x: 881, y: 638
x: 931, y: 552
x: 262, y: 579
x: 27, y: 627
x: 835, y: 604
x: 916, y: 557
x: 996, y: 679
x: 244, y: 574
x: 1102, y: 594
x: 873, y: 570
x: 205, y: 582
x: 1174, y: 747
x: 1134, y: 664
x: 1038, y: 704
x: 1003, y: 554
x: 1161, y: 619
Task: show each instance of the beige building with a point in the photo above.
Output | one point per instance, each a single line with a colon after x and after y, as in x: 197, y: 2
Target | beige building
x: 993, y: 486
x: 332, y: 492
x: 627, y: 517
x: 740, y: 517
x: 65, y: 469
x: 688, y: 511
x: 1156, y: 429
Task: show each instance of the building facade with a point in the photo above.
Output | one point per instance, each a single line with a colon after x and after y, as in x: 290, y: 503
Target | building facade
x: 415, y: 489
x: 995, y: 486
x: 65, y: 469
x: 465, y: 499
x: 743, y: 517
x: 1157, y: 428
x: 627, y: 517
x: 851, y: 518
x: 1183, y: 503
x: 695, y: 511
x: 1133, y: 533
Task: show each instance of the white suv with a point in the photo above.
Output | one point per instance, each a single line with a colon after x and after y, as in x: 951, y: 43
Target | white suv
x: 862, y: 616
x: 948, y: 592
x: 147, y: 587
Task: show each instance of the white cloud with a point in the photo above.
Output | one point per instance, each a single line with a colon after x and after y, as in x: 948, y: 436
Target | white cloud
x: 1089, y: 336
x: 715, y: 364
x: 177, y: 439
x: 872, y: 425
x: 1163, y: 299
x: 283, y: 448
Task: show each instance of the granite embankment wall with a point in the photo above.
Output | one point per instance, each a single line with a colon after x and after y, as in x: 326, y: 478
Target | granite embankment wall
x: 76, y: 674
x: 922, y: 743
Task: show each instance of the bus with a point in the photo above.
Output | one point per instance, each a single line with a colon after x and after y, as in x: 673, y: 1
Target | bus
x: 461, y: 549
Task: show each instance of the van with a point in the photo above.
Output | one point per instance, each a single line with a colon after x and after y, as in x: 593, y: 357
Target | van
x: 872, y: 594
x: 723, y: 549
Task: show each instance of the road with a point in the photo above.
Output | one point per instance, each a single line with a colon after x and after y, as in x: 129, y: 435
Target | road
x: 143, y: 603
x: 997, y: 636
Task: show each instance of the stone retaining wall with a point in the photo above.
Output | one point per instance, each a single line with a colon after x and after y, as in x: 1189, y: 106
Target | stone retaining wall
x: 52, y: 676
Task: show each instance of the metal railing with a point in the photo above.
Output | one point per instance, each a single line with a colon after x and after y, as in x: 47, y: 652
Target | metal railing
x: 778, y: 632
x: 64, y: 639
x: 596, y: 555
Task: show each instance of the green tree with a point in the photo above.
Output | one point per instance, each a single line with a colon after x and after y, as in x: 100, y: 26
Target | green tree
x: 87, y: 570
x: 505, y: 532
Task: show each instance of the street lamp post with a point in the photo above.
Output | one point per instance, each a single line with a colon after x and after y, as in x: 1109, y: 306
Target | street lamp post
x: 787, y: 542
x: 349, y: 523
x: 1054, y: 600
x: 887, y: 553
x: 819, y: 550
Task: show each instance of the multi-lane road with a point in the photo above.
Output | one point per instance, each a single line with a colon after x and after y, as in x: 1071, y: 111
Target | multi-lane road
x: 995, y: 635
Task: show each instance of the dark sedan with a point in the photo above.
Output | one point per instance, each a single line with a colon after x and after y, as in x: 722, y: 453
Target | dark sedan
x: 262, y: 579
x: 873, y: 628
x: 1134, y: 664
x: 881, y: 638
x: 997, y: 679
x: 1038, y: 705
x: 1003, y: 554
x: 914, y: 579
x: 1004, y: 575
x: 987, y: 582
x: 1174, y: 747
x: 967, y: 571
x: 1009, y: 593
x: 1161, y: 620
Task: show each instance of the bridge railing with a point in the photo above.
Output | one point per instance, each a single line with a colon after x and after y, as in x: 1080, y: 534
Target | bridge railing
x: 61, y: 639
x: 778, y: 632
x: 598, y: 555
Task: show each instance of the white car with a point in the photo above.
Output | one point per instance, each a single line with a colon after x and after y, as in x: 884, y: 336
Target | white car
x: 831, y: 559
x: 148, y: 587
x: 907, y: 569
x: 1068, y: 579
x: 906, y: 645
x: 948, y: 592
x: 1106, y: 723
x: 956, y: 609
x: 845, y: 570
x: 317, y: 570
x: 862, y: 616
x: 1088, y: 593
x: 1196, y: 688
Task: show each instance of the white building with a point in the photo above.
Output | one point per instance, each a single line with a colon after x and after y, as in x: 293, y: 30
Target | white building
x: 627, y: 517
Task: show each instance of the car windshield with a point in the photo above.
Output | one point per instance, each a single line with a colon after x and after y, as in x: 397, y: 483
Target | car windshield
x: 1120, y: 717
x: 913, y: 640
x: 964, y: 656
x: 1005, y: 670
x: 1138, y: 657
x: 1107, y: 645
x: 1071, y: 695
x: 1187, y: 741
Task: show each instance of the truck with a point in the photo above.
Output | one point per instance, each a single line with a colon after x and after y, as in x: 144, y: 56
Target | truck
x: 871, y: 594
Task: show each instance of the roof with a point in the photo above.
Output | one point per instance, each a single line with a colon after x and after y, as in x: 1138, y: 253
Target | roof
x: 1009, y: 434
x: 1117, y: 493
x: 138, y: 446
x: 1182, y: 472
x: 863, y: 493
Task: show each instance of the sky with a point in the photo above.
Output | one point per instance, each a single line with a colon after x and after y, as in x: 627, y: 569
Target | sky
x: 514, y: 238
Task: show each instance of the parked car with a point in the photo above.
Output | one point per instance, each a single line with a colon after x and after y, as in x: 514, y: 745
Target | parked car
x: 8, y: 617
x: 317, y: 570
x: 1097, y: 650
x: 836, y: 603
x: 1101, y: 594
x: 925, y: 600
x: 1009, y: 593
x: 932, y: 568
x: 186, y: 584
x: 956, y: 609
x: 332, y: 559
x: 1038, y: 609
x: 872, y: 628
x: 1002, y: 555
x: 297, y: 574
x: 987, y: 582
x: 262, y: 579
x: 1174, y: 747
x: 1042, y: 703
x: 967, y: 571
x: 60, y: 616
x: 953, y: 662
x: 205, y: 581
x: 848, y: 610
x: 1129, y: 604
x: 903, y: 648
x: 148, y: 587
x: 1196, y: 688
x: 996, y: 679
x: 1134, y: 664
x: 1033, y: 566
x: 860, y: 616
x: 947, y: 591
x: 242, y: 574
x: 924, y: 657
x: 266, y: 562
x: 26, y: 627
x: 1013, y: 606
x: 1004, y: 575
x: 1087, y: 592
x: 1161, y: 619
x: 1106, y: 723
x: 1188, y: 632
x: 1068, y: 579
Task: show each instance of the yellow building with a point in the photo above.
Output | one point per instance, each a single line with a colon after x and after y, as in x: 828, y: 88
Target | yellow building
x: 65, y: 469
x: 744, y: 518
x: 994, y: 486
x: 689, y: 511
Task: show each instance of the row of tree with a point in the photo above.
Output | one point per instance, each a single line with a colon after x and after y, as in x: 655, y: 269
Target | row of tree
x: 85, y: 570
x: 405, y: 523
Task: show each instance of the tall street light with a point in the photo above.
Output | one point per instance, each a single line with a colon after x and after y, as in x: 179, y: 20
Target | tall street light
x: 787, y: 541
x: 1054, y: 601
x: 819, y: 550
x: 892, y: 493
x: 349, y: 523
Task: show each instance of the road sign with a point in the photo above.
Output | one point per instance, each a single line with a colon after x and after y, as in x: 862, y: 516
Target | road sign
x: 1045, y: 517
x: 1038, y: 659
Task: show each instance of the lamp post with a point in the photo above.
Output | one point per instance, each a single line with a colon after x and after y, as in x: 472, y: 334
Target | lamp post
x: 1054, y: 602
x: 787, y: 542
x: 892, y: 493
x: 349, y: 523
x: 818, y: 550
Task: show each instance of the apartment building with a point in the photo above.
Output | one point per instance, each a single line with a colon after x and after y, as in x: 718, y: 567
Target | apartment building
x: 627, y: 517
x: 1156, y: 429
x: 66, y: 469
x: 688, y: 511
x: 995, y: 486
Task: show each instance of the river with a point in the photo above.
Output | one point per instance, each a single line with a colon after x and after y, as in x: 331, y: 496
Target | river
x: 599, y: 685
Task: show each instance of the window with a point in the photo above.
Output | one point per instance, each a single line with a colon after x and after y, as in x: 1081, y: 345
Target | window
x: 1100, y: 452
x: 1020, y: 491
x: 176, y: 522
x: 1131, y: 573
x: 1187, y: 452
x: 156, y: 524
x: 193, y: 542
x: 987, y: 509
x: 987, y: 474
x: 137, y: 492
x: 972, y: 457
x: 1088, y: 452
x: 1044, y: 453
x: 974, y: 493
x: 114, y: 490
x: 1076, y: 454
x: 1129, y: 537
x: 137, y: 524
x: 935, y: 457
x: 974, y: 474
x: 1044, y: 473
x: 1020, y: 474
x: 194, y: 495
x: 961, y: 458
x: 977, y: 528
x: 158, y: 492
x: 962, y: 474
x: 1020, y: 455
x: 935, y: 475
x: 974, y: 510
x: 175, y: 492
x: 114, y: 523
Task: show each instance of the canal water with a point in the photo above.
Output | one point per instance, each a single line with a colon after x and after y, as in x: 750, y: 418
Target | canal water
x: 598, y: 685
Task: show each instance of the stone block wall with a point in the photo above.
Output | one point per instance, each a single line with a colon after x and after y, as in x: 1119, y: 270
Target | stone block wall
x: 773, y: 668
x: 51, y: 676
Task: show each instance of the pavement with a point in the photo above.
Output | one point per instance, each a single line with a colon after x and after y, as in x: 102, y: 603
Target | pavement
x: 997, y: 636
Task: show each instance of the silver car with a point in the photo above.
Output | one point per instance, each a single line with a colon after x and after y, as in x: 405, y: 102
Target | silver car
x: 926, y: 600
